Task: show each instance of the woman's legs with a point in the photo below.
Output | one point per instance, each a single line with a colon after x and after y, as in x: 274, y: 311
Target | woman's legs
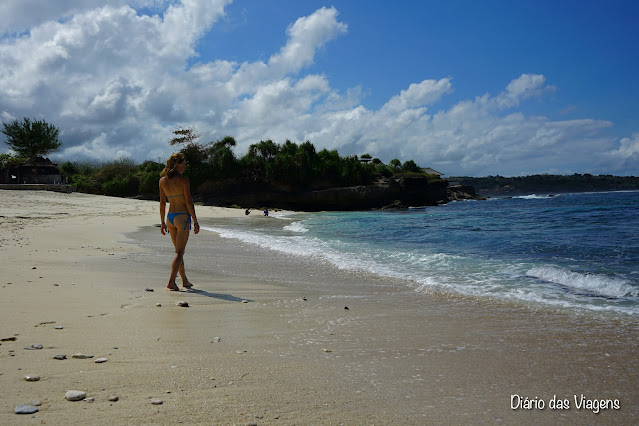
x: 180, y: 237
x: 185, y: 282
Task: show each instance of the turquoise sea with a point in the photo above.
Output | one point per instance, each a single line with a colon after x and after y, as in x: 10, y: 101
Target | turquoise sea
x: 575, y: 251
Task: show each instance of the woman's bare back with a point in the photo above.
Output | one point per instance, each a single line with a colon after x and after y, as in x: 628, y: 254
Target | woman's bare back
x: 175, y: 190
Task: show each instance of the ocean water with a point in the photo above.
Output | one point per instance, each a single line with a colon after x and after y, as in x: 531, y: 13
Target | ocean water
x: 572, y: 251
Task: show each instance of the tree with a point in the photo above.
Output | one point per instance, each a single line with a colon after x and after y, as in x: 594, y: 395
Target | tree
x: 67, y: 170
x: 395, y: 164
x: 220, y: 147
x: 265, y: 150
x: 187, y: 136
x: 31, y: 139
x: 6, y: 160
x: 222, y: 161
x: 411, y: 166
x: 194, y: 152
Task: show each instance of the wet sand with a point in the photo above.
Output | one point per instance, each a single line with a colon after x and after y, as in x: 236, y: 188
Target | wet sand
x: 266, y: 339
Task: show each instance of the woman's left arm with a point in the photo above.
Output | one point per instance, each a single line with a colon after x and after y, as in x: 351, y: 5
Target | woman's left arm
x: 189, y: 204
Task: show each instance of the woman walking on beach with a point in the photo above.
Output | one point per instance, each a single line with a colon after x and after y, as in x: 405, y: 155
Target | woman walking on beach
x: 176, y: 188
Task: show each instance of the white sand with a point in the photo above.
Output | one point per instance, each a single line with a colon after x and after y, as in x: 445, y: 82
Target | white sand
x: 279, y: 359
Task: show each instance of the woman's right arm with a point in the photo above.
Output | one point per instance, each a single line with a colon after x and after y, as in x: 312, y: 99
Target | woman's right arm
x: 163, y: 227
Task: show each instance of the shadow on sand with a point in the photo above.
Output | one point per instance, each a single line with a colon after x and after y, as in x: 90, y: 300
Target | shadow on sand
x: 218, y: 296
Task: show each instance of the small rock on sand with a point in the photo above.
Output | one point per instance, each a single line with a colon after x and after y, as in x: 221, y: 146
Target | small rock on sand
x: 25, y: 409
x: 79, y: 356
x: 58, y: 327
x: 75, y: 395
x: 156, y: 401
x: 158, y: 304
x: 182, y: 304
x: 90, y: 399
x: 100, y: 360
x: 114, y: 398
x: 31, y: 378
x: 60, y: 356
x: 35, y: 402
x: 148, y: 289
x: 36, y: 346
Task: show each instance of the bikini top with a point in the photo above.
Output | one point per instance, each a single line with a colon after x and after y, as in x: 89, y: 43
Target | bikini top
x: 173, y: 196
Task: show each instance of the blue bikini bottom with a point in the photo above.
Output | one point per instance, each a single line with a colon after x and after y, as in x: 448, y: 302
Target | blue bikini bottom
x: 171, y: 217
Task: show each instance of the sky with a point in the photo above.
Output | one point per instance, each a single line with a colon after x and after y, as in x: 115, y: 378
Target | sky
x: 469, y: 88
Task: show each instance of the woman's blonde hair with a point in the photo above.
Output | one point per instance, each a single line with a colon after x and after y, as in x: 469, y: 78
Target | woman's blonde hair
x: 172, y: 163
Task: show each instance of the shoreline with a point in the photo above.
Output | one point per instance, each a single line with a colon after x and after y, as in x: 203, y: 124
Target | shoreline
x: 291, y: 355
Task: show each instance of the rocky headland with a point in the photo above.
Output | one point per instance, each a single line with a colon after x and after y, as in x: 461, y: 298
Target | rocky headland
x: 385, y: 193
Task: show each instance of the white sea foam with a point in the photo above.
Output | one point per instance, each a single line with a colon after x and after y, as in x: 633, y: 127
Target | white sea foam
x: 286, y: 215
x: 299, y: 245
x: 427, y: 271
x: 288, y: 245
x: 531, y: 197
x: 523, y: 295
x: 297, y: 227
x: 480, y: 278
x: 598, y: 284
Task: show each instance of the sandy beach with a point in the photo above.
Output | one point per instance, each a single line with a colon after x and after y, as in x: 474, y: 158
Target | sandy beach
x: 259, y: 346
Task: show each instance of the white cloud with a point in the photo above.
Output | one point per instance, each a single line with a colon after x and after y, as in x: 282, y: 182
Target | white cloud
x: 117, y: 82
x: 305, y: 36
x: 625, y: 156
x: 418, y: 95
x: 21, y: 15
x: 523, y: 87
x: 472, y: 137
x: 627, y: 147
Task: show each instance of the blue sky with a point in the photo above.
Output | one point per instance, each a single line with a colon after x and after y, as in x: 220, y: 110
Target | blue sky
x: 466, y: 87
x: 587, y: 49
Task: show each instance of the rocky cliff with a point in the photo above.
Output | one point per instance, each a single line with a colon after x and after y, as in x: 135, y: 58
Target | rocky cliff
x: 395, y: 192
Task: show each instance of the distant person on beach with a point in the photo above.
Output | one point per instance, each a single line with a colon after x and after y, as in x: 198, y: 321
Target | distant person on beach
x: 176, y: 188
x: 247, y: 212
x: 265, y: 212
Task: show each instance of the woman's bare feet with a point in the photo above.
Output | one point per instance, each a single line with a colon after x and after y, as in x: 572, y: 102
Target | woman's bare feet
x: 187, y: 284
x: 173, y: 287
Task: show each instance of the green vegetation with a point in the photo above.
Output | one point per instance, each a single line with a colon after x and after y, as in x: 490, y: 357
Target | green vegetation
x: 8, y: 160
x: 266, y: 165
x: 120, y: 178
x: 30, y: 139
x: 549, y: 183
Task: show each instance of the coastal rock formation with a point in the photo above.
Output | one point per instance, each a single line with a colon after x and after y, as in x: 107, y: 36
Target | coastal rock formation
x: 396, y: 192
x: 462, y: 192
